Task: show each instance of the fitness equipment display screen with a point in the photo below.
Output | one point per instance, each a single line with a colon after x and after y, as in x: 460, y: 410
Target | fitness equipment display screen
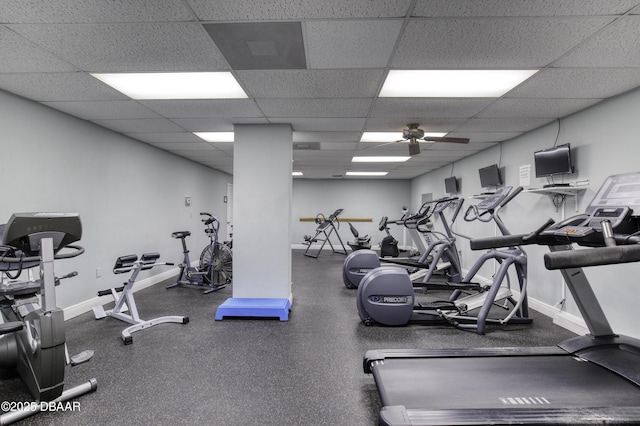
x: 553, y: 161
x: 618, y: 191
x: 490, y: 176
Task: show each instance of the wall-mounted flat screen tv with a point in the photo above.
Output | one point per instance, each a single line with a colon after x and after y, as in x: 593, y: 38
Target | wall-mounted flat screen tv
x: 451, y: 185
x: 490, y: 176
x: 553, y: 161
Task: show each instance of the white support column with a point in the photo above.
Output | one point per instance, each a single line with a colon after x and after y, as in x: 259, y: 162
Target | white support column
x: 262, y: 165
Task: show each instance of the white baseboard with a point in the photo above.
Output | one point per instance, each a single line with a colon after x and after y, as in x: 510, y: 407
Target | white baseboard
x: 86, y: 306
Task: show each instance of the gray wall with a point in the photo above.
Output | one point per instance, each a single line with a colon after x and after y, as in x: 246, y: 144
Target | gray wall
x: 130, y: 195
x: 360, y: 198
x: 604, y: 141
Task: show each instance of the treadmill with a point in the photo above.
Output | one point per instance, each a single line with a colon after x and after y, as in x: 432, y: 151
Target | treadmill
x: 591, y: 379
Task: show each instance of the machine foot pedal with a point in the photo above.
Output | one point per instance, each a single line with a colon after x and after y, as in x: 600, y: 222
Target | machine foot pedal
x: 82, y: 357
x: 438, y: 305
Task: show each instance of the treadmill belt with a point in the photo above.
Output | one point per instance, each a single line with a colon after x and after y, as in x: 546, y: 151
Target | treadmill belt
x: 501, y: 382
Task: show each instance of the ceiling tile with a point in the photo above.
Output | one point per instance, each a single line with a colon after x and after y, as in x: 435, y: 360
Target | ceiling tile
x: 441, y: 8
x: 128, y: 47
x: 74, y: 11
x: 396, y: 124
x: 267, y: 10
x: 204, y: 108
x: 491, y: 42
x: 21, y: 55
x: 351, y: 44
x: 315, y: 107
x: 325, y: 136
x: 535, y: 107
x: 504, y: 124
x: 429, y: 107
x: 311, y: 83
x: 152, y: 125
x: 89, y: 110
x: 614, y: 46
x: 164, y: 137
x: 578, y: 83
x: 216, y: 124
x: 74, y: 86
x: 322, y: 124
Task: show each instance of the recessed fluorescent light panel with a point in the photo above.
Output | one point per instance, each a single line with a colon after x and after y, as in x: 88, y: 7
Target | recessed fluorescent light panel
x: 372, y: 159
x: 392, y: 136
x: 296, y: 174
x: 452, y: 83
x: 366, y: 173
x: 215, y: 136
x: 185, y: 85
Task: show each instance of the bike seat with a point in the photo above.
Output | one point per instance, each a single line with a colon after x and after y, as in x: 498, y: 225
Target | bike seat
x: 181, y: 234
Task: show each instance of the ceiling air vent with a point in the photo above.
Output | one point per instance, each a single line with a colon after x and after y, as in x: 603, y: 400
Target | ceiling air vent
x: 306, y: 146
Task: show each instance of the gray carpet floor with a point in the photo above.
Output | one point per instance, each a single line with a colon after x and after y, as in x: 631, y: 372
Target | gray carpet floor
x: 305, y: 371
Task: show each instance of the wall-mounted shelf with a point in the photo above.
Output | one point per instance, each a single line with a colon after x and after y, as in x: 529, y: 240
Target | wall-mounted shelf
x: 572, y: 190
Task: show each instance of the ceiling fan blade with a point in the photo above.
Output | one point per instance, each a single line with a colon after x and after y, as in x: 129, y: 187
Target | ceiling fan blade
x: 447, y: 139
x: 386, y: 143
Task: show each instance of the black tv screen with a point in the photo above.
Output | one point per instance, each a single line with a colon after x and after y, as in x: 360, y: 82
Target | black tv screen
x: 553, y: 161
x: 490, y: 176
x: 451, y: 185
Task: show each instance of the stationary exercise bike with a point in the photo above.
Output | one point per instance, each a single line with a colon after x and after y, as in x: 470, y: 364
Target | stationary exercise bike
x: 32, y: 335
x: 123, y: 296
x: 216, y: 260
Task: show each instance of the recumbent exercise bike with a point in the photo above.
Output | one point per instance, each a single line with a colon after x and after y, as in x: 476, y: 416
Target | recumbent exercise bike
x: 216, y: 260
x: 32, y: 336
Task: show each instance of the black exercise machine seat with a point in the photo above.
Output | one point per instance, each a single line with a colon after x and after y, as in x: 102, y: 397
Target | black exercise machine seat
x: 180, y: 234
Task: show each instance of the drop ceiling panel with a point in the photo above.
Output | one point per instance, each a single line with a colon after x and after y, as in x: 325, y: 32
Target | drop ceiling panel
x: 429, y: 107
x: 578, y: 83
x: 215, y: 124
x: 505, y: 124
x: 89, y: 110
x: 614, y: 46
x: 204, y: 108
x: 21, y: 55
x: 267, y: 10
x: 428, y: 124
x: 183, y: 46
x: 535, y: 107
x: 321, y: 124
x: 351, y: 44
x: 314, y: 107
x: 151, y: 125
x: 74, y: 11
x: 311, y: 83
x: 44, y: 87
x: 443, y: 8
x: 325, y: 136
x: 204, y: 147
x: 496, y: 43
x: 165, y: 137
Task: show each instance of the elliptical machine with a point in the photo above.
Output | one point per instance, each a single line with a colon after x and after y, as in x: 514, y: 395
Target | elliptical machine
x: 216, y: 260
x: 32, y: 336
x: 439, y: 255
x: 386, y: 294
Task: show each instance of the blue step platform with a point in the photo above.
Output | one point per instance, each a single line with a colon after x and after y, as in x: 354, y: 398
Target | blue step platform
x: 258, y: 307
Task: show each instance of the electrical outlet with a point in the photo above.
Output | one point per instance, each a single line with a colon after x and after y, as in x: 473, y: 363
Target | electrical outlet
x: 98, y: 272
